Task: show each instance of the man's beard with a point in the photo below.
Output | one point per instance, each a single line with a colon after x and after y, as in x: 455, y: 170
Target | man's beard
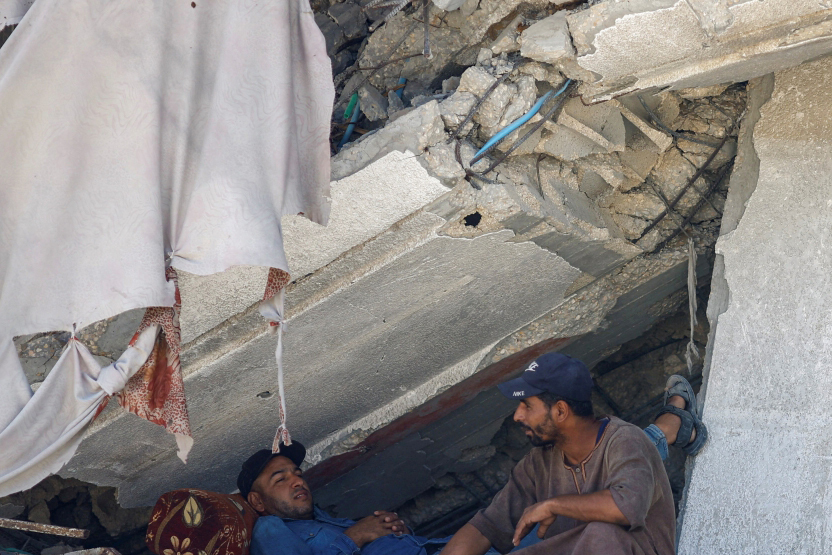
x: 287, y: 510
x: 547, y: 433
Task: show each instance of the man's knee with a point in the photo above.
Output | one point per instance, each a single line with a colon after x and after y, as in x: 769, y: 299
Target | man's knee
x: 605, y: 530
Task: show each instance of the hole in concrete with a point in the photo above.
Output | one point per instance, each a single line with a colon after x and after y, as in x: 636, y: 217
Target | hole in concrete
x: 264, y: 394
x: 472, y: 220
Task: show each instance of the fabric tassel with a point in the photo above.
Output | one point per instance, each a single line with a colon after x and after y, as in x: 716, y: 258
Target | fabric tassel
x: 271, y: 308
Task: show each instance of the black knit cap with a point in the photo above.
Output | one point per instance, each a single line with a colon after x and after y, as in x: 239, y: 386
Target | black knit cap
x: 255, y: 464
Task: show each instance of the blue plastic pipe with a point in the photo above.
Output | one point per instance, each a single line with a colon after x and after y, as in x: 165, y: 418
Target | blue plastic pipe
x: 503, y: 133
x: 356, y: 113
x: 402, y: 81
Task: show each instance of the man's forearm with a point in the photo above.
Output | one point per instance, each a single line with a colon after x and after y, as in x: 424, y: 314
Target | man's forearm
x: 590, y: 507
x: 468, y: 541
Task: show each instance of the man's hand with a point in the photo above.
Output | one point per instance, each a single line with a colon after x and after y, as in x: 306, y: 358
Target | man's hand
x: 539, y: 512
x: 370, y: 528
x: 598, y: 506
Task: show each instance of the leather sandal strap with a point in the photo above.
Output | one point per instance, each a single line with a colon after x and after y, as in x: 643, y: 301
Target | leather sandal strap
x: 688, y: 423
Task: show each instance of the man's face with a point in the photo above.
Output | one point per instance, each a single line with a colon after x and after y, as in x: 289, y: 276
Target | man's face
x: 280, y: 490
x: 536, y: 419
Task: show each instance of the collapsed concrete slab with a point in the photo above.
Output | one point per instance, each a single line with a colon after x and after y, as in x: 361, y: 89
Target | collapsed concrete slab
x: 768, y: 458
x: 641, y: 44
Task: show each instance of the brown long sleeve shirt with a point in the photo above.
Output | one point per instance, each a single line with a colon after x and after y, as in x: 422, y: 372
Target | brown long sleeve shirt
x: 624, y: 461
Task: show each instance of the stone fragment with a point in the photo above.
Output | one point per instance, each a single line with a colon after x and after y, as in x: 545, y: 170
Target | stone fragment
x: 394, y: 103
x: 484, y: 56
x: 565, y: 144
x: 442, y: 161
x: 455, y: 108
x: 522, y: 101
x: 507, y: 40
x: 372, y: 103
x: 697, y: 153
x: 115, y: 519
x: 449, y: 5
x: 639, y: 157
x: 475, y: 80
x: 491, y: 111
x: 672, y: 173
x: 661, y: 139
x: 11, y: 510
x: 668, y: 108
x: 602, y: 123
x: 450, y: 84
x: 332, y: 33
x: 39, y: 513
x: 350, y: 18
x: 548, y: 40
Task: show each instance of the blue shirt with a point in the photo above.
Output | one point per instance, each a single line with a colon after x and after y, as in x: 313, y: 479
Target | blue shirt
x: 324, y: 535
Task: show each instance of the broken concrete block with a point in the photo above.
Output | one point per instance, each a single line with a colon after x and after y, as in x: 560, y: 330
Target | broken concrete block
x: 639, y: 156
x: 475, y: 80
x: 507, y: 40
x: 455, y: 108
x: 602, y: 123
x: 491, y: 111
x: 442, y: 161
x: 484, y: 56
x: 672, y: 173
x: 668, y: 108
x: 415, y: 131
x: 332, y: 33
x: 522, y: 101
x: 566, y: 144
x: 394, y: 103
x: 638, y: 44
x: 547, y: 40
x: 661, y: 139
x: 372, y: 103
x: 448, y: 5
x: 450, y: 84
x: 350, y: 18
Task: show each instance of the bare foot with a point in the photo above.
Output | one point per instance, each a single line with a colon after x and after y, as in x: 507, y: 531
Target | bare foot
x: 669, y: 424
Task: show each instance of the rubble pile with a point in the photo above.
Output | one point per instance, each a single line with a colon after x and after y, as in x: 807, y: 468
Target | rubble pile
x: 632, y: 173
x: 75, y: 504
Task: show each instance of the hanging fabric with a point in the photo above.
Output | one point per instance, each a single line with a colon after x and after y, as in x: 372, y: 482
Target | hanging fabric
x: 138, y: 137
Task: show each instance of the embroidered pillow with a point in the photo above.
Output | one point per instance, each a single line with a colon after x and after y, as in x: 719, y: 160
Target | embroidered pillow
x: 197, y: 522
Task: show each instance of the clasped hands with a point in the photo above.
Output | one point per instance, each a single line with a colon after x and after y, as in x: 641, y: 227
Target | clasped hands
x: 380, y: 523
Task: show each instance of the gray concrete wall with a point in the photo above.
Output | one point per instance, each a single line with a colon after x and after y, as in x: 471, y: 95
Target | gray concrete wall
x: 761, y: 484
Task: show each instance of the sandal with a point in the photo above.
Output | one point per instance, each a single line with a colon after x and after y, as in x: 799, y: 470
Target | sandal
x: 677, y: 385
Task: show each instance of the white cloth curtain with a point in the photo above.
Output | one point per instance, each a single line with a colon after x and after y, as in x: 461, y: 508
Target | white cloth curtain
x: 134, y: 135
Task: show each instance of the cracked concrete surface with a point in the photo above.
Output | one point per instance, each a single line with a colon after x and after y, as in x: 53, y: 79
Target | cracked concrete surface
x: 768, y: 425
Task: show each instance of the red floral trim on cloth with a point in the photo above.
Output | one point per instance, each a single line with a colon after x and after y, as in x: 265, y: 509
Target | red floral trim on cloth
x: 157, y: 392
x: 278, y: 279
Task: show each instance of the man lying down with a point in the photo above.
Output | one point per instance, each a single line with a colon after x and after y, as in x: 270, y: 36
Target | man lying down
x: 594, y: 485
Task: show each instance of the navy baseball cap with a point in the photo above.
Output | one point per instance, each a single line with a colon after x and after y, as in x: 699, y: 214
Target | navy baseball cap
x: 555, y: 373
x: 255, y: 464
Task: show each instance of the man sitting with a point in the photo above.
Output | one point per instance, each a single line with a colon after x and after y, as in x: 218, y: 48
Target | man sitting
x: 624, y: 494
x: 595, y: 487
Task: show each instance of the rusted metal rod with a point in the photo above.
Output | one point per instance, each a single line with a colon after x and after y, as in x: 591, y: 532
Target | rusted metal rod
x: 44, y: 528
